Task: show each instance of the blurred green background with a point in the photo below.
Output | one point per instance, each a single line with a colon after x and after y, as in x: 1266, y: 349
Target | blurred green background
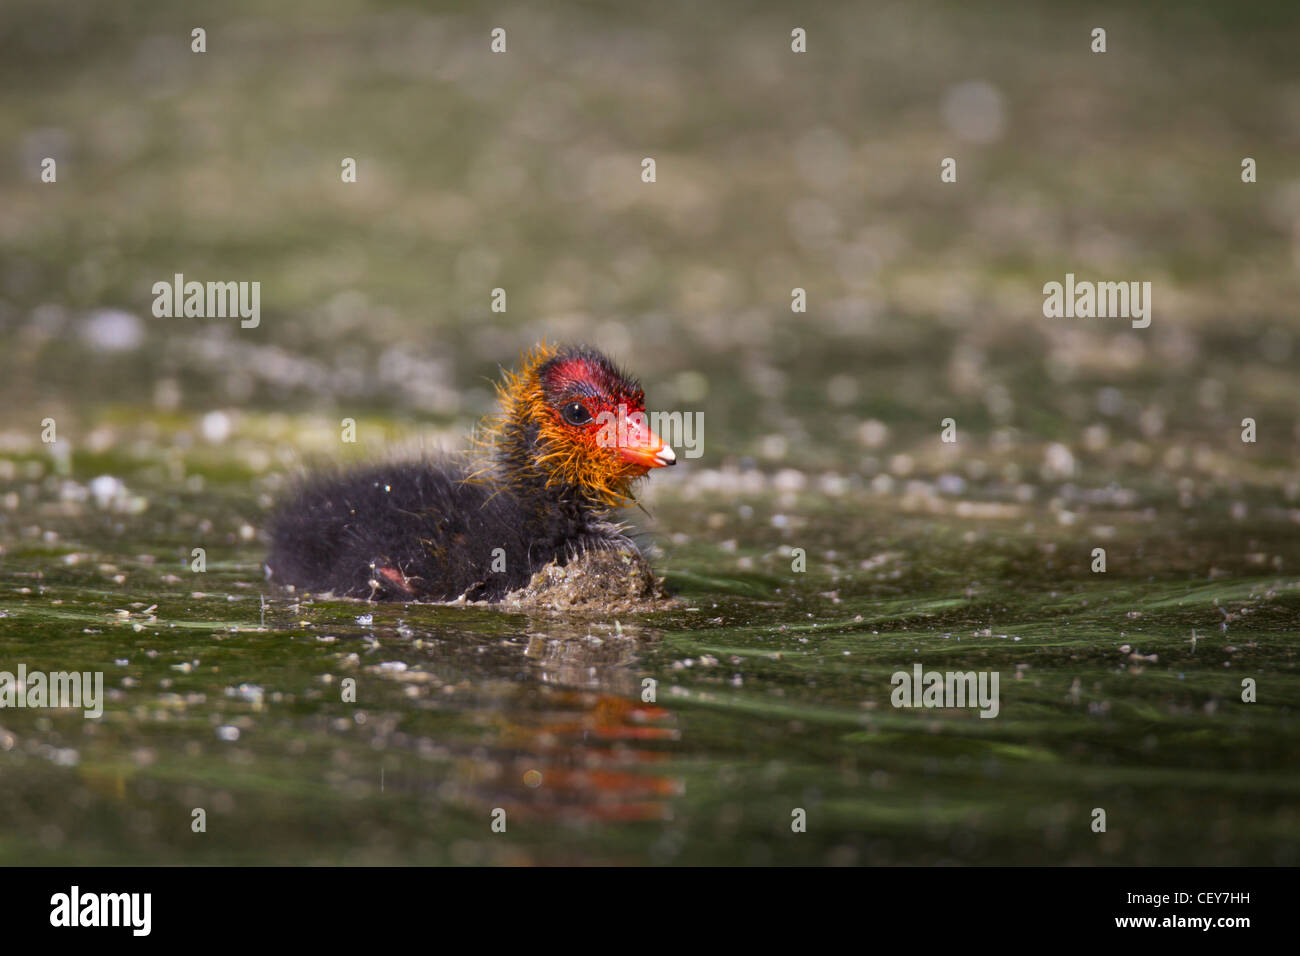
x: 775, y: 170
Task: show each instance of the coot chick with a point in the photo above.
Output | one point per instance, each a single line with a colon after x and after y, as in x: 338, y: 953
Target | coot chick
x: 538, y: 488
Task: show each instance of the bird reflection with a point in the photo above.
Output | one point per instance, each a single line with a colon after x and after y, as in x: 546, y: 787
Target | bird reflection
x: 573, y: 734
x: 586, y: 745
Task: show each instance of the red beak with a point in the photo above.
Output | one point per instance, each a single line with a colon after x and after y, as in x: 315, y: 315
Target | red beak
x: 648, y: 453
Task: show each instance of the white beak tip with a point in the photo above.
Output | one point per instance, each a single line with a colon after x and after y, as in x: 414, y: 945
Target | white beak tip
x: 666, y: 456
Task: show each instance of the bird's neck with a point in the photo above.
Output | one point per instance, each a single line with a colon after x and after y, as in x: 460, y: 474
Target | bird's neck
x: 518, y: 451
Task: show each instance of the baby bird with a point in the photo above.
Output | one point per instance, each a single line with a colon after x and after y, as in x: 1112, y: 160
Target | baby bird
x: 540, y: 485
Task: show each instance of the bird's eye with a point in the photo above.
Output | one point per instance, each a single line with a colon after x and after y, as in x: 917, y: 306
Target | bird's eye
x: 575, y: 413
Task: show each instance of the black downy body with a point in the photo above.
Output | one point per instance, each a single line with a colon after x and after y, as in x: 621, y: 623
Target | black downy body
x: 426, y: 530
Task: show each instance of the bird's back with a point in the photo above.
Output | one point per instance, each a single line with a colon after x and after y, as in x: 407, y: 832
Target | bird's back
x: 417, y: 530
